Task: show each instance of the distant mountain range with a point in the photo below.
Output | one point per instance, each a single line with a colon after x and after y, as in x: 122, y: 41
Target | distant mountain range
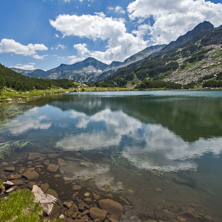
x: 90, y: 69
x: 192, y: 58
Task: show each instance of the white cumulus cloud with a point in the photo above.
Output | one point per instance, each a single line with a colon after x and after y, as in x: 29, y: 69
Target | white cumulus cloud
x: 118, y: 9
x: 121, y: 44
x: 81, y: 49
x: 11, y: 46
x: 174, y: 18
x: 29, y: 66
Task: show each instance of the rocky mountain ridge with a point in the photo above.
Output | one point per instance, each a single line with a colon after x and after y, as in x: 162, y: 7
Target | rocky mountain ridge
x: 90, y: 69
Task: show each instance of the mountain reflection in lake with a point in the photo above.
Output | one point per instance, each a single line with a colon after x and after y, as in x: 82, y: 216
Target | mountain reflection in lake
x: 154, y: 144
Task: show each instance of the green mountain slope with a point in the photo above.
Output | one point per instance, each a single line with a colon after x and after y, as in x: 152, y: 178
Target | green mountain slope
x: 14, y: 80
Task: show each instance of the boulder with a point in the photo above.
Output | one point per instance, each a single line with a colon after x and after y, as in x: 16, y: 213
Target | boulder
x: 96, y: 213
x: 46, y: 201
x: 111, y: 206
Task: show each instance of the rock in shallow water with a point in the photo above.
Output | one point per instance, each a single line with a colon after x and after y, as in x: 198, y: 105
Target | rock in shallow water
x: 111, y: 206
x: 97, y: 213
x: 52, y: 167
x: 31, y: 175
x: 46, y: 201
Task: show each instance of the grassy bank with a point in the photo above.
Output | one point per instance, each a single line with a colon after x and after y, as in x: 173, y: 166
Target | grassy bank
x: 8, y: 94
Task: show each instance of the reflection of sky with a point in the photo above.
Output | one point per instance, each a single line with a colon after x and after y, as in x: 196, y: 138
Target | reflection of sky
x: 147, y: 146
x: 31, y: 120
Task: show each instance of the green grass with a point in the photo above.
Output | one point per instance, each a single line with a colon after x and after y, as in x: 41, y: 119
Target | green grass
x: 19, y: 207
x: 7, y: 93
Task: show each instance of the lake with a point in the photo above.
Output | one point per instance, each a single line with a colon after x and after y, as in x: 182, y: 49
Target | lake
x: 158, y: 153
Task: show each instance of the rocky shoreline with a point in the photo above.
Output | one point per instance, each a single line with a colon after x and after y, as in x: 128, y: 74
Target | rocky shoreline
x: 76, y: 200
x: 82, y: 206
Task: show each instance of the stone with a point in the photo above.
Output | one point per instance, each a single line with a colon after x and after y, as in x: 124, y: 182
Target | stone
x: 96, y: 196
x: 57, y: 175
x: 8, y: 184
x: 113, y: 220
x: 181, y: 219
x: 75, y: 195
x: 10, y: 169
x: 46, y: 201
x: 158, y: 189
x: 82, y: 219
x: 31, y: 184
x: 14, y: 176
x: 76, y: 187
x: 31, y: 175
x: 46, y: 162
x: 82, y: 205
x: 52, y: 192
x: 11, y: 189
x: 88, y: 200
x: 62, y: 162
x: 4, y: 164
x: 34, y: 156
x: 62, y: 216
x: 111, y: 206
x: 52, y: 167
x: 44, y: 187
x: 87, y: 194
x: 53, y: 155
x: 96, y: 213
x: 18, y: 182
x: 68, y: 204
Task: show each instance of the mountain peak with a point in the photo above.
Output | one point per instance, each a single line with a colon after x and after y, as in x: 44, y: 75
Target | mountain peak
x: 203, y: 26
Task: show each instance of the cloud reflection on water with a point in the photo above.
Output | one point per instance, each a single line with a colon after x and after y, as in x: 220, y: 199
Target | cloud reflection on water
x: 148, y: 146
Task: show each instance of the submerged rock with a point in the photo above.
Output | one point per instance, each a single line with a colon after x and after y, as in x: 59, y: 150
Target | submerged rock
x: 62, y: 162
x: 34, y: 156
x: 10, y: 169
x: 111, y: 206
x: 46, y: 201
x: 52, y: 167
x: 31, y: 175
x: 97, y: 213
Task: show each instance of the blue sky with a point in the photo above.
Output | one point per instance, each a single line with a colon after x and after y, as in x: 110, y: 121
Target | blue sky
x: 45, y: 33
